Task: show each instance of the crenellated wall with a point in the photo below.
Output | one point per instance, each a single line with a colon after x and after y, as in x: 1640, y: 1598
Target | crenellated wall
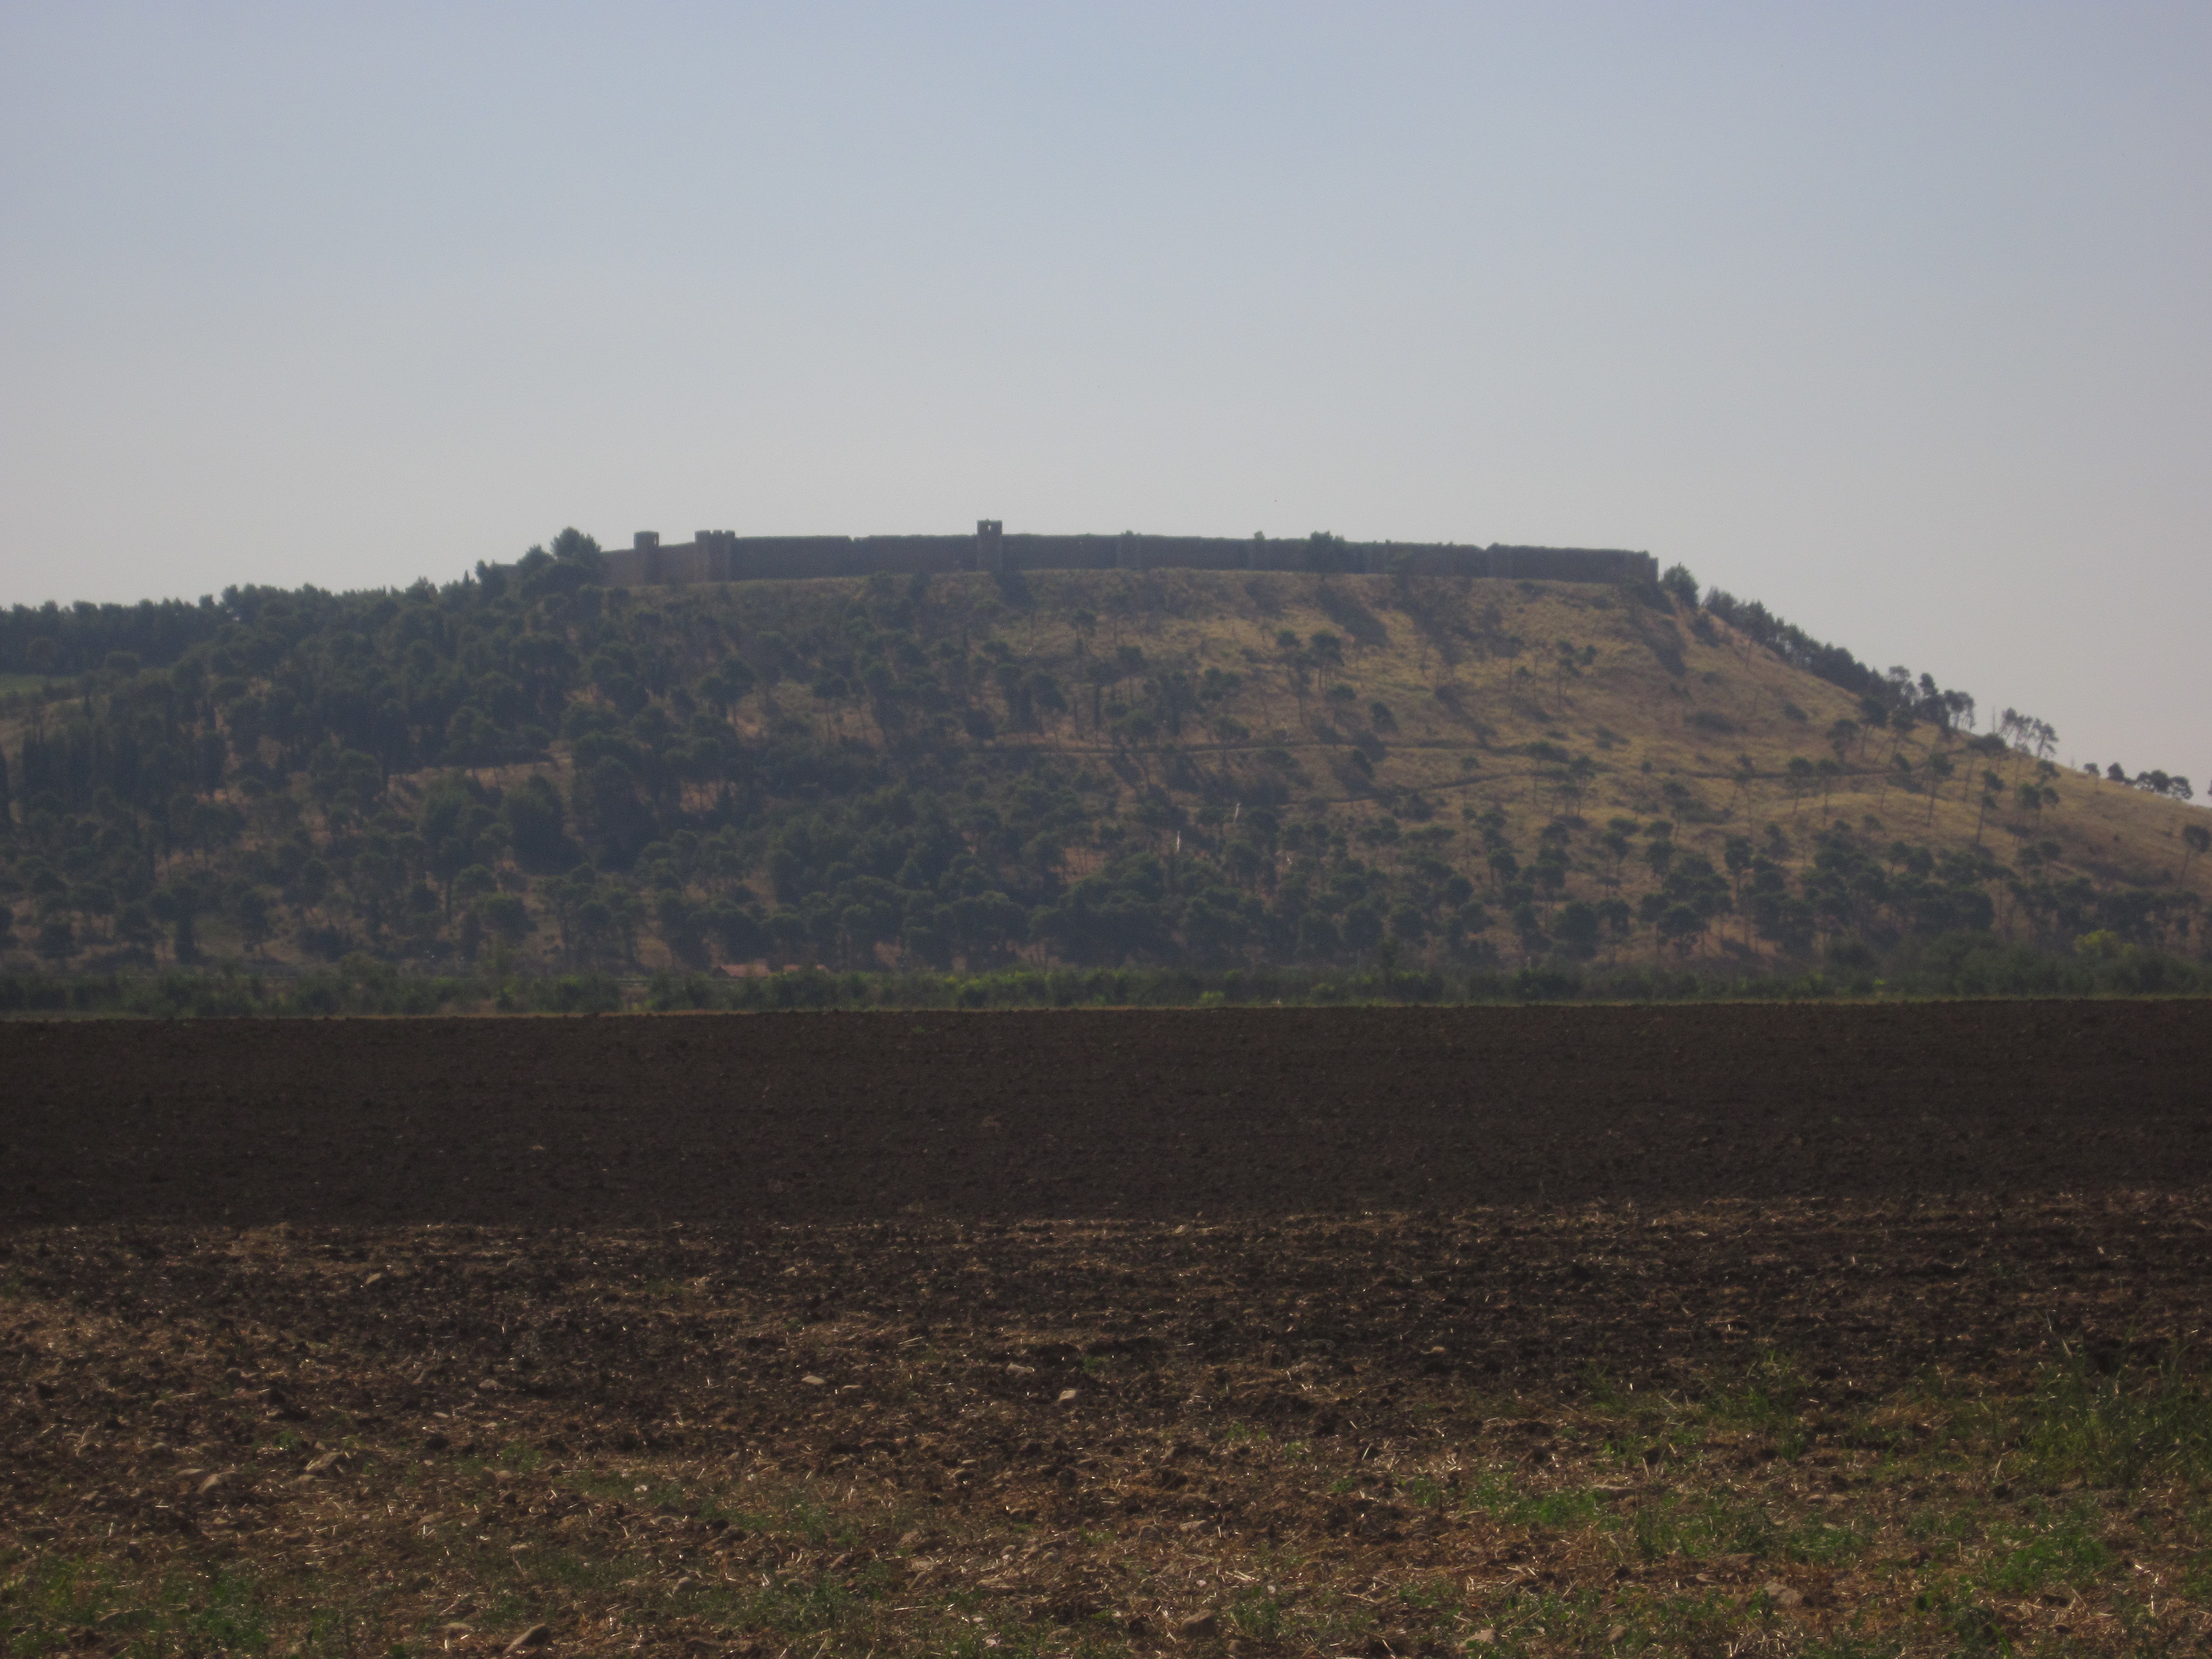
x: 722, y: 556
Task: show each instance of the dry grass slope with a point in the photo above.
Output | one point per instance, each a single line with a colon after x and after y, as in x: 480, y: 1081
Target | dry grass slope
x: 1545, y: 743
x: 1443, y: 700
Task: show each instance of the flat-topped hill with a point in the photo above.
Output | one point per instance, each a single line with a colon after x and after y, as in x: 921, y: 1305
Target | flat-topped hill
x: 1212, y: 769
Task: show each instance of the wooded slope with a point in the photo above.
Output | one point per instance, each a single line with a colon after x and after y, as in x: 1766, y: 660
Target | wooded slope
x: 1110, y: 767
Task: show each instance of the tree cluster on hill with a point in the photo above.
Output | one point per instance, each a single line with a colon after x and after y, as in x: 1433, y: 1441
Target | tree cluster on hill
x: 526, y: 769
x: 1894, y: 692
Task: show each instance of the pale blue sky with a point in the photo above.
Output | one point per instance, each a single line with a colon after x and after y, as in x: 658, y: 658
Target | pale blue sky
x: 1894, y: 316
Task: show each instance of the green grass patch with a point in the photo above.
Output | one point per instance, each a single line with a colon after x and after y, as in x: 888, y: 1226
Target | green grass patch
x: 2117, y: 1429
x: 2070, y: 1551
x: 58, y: 1604
x: 1499, y: 1496
x: 1767, y: 1398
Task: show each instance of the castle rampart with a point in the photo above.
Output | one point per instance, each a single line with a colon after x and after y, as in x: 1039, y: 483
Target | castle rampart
x: 722, y: 556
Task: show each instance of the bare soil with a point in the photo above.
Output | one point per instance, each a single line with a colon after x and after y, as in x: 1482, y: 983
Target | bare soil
x: 1723, y: 1330
x: 842, y: 1117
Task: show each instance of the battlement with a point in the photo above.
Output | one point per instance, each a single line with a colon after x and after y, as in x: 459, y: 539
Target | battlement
x: 723, y: 556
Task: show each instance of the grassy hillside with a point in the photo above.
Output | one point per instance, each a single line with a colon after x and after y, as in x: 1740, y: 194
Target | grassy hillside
x: 529, y: 771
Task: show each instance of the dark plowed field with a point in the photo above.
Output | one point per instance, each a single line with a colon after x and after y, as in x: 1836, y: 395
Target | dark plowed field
x: 1498, y: 1334
x: 1132, y: 1114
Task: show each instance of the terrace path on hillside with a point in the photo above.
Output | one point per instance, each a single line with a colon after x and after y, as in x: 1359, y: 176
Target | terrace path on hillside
x: 1134, y: 1114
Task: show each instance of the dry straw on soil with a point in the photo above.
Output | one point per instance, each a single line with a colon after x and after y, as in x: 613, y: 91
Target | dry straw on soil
x: 1818, y: 1429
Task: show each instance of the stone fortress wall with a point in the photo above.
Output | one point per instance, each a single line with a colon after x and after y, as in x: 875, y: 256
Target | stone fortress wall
x: 721, y: 556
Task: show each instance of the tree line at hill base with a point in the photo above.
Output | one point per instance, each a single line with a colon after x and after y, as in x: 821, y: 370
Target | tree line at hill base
x: 1960, y: 965
x: 528, y: 779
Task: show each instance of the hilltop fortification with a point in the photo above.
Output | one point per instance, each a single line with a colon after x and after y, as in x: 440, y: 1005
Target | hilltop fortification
x: 722, y: 556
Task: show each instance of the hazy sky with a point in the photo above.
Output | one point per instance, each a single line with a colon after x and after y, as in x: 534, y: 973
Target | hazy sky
x: 1896, y: 317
